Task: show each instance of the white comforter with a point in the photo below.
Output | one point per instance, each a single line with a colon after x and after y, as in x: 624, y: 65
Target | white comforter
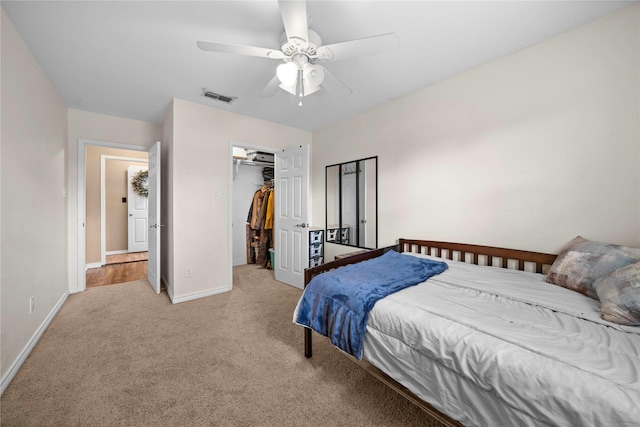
x: 496, y: 347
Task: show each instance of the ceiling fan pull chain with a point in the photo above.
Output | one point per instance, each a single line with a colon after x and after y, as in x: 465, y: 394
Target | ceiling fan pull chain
x: 301, y: 87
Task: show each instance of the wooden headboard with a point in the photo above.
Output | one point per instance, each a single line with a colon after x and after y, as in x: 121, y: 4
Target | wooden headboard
x: 481, y: 255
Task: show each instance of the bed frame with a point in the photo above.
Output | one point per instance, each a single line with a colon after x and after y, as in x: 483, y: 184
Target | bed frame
x: 474, y: 254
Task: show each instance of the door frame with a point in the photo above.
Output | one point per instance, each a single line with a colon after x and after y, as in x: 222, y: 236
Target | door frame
x: 82, y: 207
x: 103, y: 199
x: 239, y: 144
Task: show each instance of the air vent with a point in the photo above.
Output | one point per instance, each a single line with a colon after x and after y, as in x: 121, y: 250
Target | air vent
x: 218, y: 97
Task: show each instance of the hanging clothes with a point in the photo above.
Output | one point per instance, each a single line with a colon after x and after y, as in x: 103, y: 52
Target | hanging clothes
x: 265, y: 235
x: 258, y: 199
x: 253, y: 237
x: 259, y: 236
x: 270, y: 210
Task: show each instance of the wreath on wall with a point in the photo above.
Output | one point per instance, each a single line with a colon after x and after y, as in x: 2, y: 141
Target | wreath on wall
x: 139, y: 183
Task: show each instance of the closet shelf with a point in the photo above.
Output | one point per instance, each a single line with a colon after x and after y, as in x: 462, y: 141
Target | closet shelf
x: 252, y: 162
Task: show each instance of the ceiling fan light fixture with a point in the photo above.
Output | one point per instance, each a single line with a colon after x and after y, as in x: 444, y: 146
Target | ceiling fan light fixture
x: 287, y: 74
x: 289, y: 88
x: 313, y: 76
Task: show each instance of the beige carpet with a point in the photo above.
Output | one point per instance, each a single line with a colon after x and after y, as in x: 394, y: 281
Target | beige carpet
x: 122, y: 355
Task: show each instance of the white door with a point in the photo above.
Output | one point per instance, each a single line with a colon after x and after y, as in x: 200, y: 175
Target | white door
x: 153, y: 269
x: 138, y: 224
x: 291, y: 215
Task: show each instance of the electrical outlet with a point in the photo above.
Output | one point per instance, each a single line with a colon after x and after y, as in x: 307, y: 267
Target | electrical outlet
x: 187, y: 271
x: 32, y: 304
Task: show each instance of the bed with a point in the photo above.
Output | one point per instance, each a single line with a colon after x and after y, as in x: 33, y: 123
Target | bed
x: 489, y: 342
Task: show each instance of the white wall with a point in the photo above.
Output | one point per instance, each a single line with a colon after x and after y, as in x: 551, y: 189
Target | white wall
x: 98, y: 127
x: 525, y: 152
x: 200, y: 183
x: 34, y: 222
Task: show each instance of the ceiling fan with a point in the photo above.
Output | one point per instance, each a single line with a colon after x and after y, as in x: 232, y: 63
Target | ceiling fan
x: 301, y: 50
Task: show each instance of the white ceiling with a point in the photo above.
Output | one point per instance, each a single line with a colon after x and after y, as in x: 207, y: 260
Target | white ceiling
x: 129, y: 59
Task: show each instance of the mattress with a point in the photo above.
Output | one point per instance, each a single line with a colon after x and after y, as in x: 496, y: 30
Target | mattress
x: 491, y: 346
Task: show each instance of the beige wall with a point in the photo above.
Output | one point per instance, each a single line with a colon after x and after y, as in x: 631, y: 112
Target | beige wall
x: 114, y: 211
x: 526, y: 152
x: 97, y: 127
x: 200, y: 183
x: 33, y: 209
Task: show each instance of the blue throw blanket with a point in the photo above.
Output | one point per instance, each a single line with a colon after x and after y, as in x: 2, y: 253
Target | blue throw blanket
x: 337, y: 303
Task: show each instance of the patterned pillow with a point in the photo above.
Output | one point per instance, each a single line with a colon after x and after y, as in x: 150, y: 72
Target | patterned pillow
x: 619, y: 293
x: 582, y: 262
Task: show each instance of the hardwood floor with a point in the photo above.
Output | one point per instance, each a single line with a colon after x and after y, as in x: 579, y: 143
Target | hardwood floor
x: 119, y: 269
x: 131, y: 257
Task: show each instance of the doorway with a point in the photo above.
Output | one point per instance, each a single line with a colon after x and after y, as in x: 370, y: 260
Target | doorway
x: 291, y: 214
x: 250, y: 176
x: 92, y: 231
x: 123, y: 213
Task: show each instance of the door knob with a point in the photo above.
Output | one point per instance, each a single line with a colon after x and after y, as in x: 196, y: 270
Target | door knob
x: 303, y: 225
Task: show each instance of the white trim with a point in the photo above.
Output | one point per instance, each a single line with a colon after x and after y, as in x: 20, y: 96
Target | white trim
x: 117, y: 252
x: 232, y: 144
x: 103, y: 199
x: 82, y: 213
x: 164, y: 281
x: 197, y: 295
x: 169, y: 291
x: 13, y: 370
x: 93, y: 265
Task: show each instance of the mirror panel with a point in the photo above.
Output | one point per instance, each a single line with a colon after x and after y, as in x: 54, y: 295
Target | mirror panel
x: 332, y: 201
x: 352, y: 203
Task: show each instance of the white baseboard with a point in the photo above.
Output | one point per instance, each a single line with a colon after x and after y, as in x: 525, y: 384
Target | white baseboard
x: 93, y: 265
x: 165, y: 283
x: 13, y: 370
x: 116, y: 252
x: 196, y: 295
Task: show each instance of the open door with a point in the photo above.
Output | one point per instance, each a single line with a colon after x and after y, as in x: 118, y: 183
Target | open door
x: 291, y: 215
x: 153, y: 269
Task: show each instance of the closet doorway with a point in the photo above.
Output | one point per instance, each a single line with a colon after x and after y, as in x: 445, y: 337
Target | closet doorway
x: 291, y: 212
x: 251, y: 170
x: 251, y: 182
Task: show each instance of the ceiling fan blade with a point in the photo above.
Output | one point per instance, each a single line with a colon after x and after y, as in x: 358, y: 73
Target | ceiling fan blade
x: 271, y: 88
x: 240, y: 49
x: 294, y: 18
x: 384, y: 43
x: 334, y: 85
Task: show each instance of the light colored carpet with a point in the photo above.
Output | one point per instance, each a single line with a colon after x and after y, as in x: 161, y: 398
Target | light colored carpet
x: 122, y: 355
